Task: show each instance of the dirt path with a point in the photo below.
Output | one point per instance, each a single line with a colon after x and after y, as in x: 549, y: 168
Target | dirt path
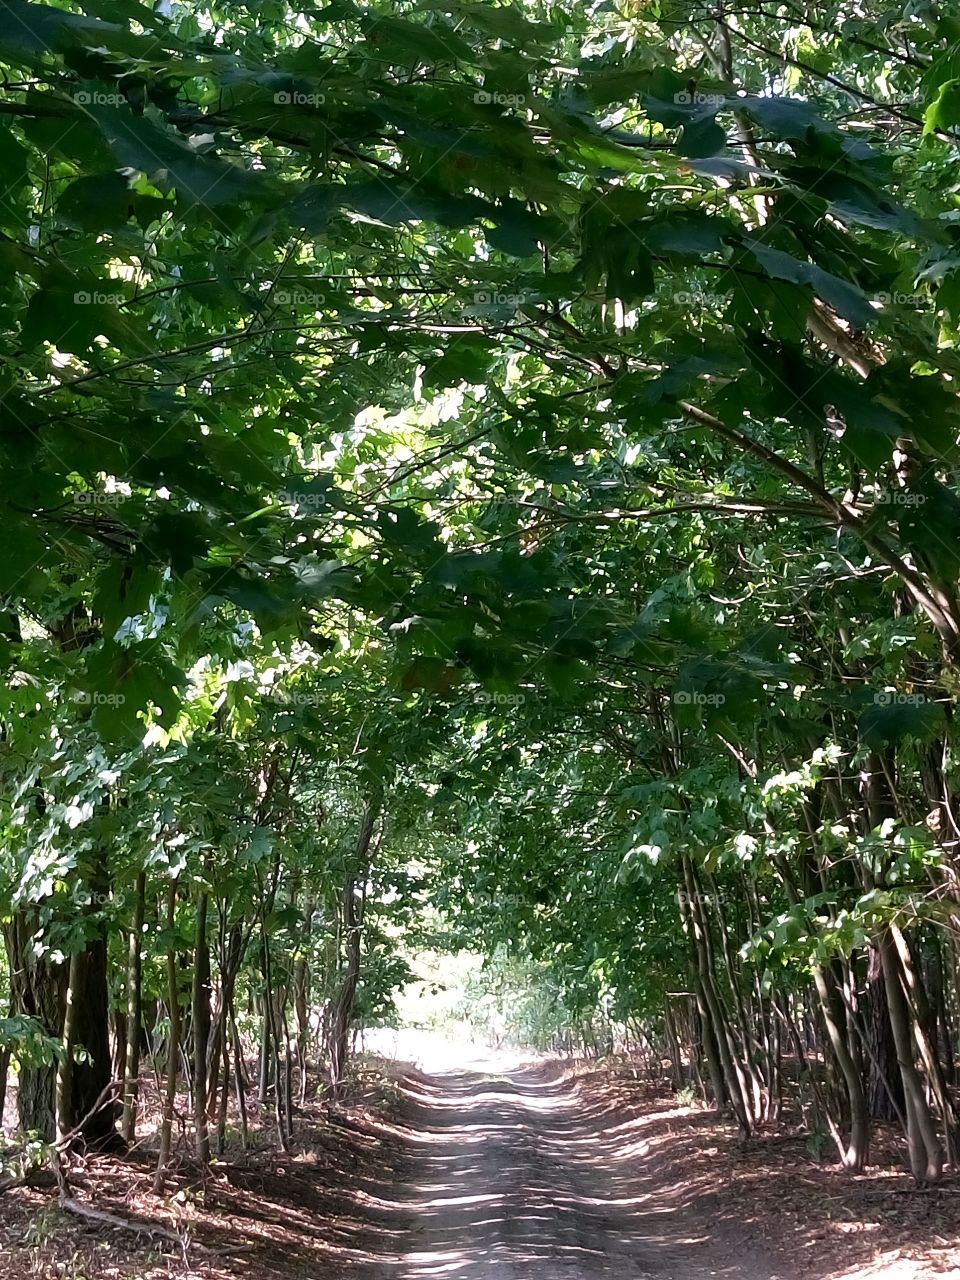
x: 519, y: 1177
x: 498, y: 1170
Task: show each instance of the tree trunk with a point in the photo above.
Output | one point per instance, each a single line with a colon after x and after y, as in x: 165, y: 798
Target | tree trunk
x: 301, y: 985
x: 710, y: 1051
x: 93, y: 1073
x: 173, y: 1042
x: 200, y: 1004
x: 224, y: 1095
x: 37, y: 990
x: 239, y: 1076
x: 230, y: 957
x: 264, y: 1087
x: 715, y: 1013
x: 673, y: 1046
x: 884, y: 1084
x: 926, y: 1154
x: 131, y: 1070
x: 352, y: 914
x: 854, y: 1157
x: 63, y: 1107
x: 4, y: 1073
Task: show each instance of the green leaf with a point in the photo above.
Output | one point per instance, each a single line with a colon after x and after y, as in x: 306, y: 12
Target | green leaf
x: 98, y: 201
x: 702, y: 138
x: 944, y: 111
x: 847, y: 299
x: 896, y: 717
x: 412, y: 43
x: 199, y: 179
x: 432, y: 675
x: 466, y: 359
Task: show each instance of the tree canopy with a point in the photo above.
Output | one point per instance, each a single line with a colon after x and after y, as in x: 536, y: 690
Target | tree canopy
x: 488, y: 473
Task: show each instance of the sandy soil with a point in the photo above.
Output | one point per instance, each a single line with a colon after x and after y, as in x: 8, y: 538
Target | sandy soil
x: 495, y: 1168
x: 519, y: 1176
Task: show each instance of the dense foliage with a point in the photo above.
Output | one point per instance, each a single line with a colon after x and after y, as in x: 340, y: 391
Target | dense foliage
x: 498, y: 459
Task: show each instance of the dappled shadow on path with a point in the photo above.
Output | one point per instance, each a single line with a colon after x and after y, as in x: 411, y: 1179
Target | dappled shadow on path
x: 525, y: 1176
x: 504, y: 1177
x: 540, y: 1173
x: 552, y: 1174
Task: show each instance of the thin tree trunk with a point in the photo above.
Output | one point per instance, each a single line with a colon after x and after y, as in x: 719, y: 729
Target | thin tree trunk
x: 288, y: 1072
x: 885, y: 1086
x: 673, y: 1046
x: 301, y: 981
x: 201, y: 1029
x: 63, y: 1110
x: 924, y: 1034
x: 352, y: 914
x: 926, y: 1154
x: 224, y: 1096
x: 279, y: 1106
x: 271, y: 1035
x: 173, y: 1044
x: 230, y: 957
x: 131, y: 1071
x: 710, y: 1050
x: 4, y: 1073
x: 264, y: 1088
x: 855, y: 1155
x: 239, y: 1078
x: 736, y: 1086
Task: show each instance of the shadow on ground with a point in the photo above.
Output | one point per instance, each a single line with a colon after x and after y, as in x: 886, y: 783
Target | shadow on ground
x: 512, y: 1171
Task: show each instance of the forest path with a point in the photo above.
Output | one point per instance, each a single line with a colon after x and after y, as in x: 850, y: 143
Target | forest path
x: 517, y: 1176
x: 497, y: 1169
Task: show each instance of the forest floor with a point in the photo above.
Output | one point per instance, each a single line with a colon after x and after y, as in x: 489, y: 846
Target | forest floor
x: 505, y: 1170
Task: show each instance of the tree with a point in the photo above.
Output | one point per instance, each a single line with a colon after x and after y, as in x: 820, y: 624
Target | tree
x: 406, y: 407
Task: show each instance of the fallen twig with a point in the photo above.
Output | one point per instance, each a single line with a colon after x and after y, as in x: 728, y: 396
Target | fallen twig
x: 69, y: 1204
x: 152, y: 1229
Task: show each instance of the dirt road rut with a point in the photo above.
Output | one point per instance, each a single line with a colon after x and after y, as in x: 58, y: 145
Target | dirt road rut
x: 517, y: 1177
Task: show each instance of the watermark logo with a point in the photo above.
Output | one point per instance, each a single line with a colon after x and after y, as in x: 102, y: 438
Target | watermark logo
x: 294, y: 98
x: 694, y: 98
x: 686, y: 299
x: 296, y: 298
x: 90, y: 298
x: 96, y: 699
x: 500, y: 900
x: 897, y: 299
x: 94, y: 98
x: 900, y: 897
x: 488, y: 298
x: 694, y: 698
x: 686, y: 899
x: 487, y: 98
x: 292, y: 498
x: 91, y: 498
x: 293, y: 697
x: 501, y: 699
x: 498, y: 503
x: 893, y: 698
x: 901, y: 498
